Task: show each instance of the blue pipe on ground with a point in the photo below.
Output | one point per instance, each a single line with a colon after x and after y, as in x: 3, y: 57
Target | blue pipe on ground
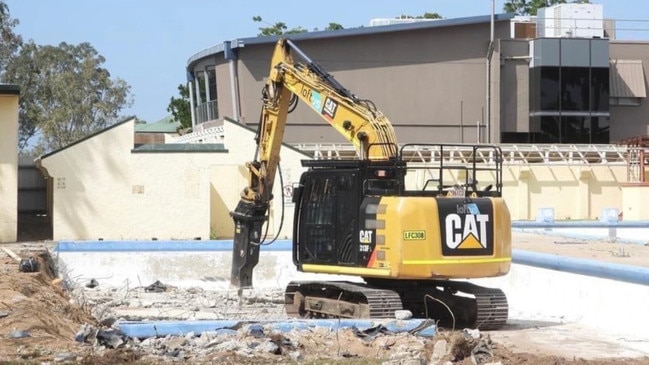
x: 605, y: 270
x: 420, y: 327
x: 580, y: 224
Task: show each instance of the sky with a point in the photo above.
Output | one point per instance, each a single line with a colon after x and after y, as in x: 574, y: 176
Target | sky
x: 147, y: 42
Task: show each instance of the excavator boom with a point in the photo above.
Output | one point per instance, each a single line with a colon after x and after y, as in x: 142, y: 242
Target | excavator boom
x: 357, y: 120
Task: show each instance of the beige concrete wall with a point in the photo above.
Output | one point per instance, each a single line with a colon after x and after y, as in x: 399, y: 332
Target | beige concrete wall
x: 8, y: 165
x: 575, y: 192
x: 634, y: 199
x: 102, y: 190
x: 229, y: 177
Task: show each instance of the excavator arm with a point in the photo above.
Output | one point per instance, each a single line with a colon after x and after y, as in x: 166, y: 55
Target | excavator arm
x: 358, y: 120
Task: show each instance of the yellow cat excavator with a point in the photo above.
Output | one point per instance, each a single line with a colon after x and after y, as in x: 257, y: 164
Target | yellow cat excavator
x: 412, y: 243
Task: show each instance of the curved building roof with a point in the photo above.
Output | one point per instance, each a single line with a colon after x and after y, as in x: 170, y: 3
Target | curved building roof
x: 226, y: 47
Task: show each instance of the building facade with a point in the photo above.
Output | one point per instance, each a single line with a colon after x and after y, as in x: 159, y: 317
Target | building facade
x: 447, y: 81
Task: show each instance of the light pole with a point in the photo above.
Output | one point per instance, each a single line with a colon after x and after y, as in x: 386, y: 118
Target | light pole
x: 488, y: 78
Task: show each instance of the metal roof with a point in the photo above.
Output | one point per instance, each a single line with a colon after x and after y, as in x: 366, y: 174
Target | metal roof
x: 9, y: 89
x: 242, y: 42
x: 180, y: 148
x: 164, y: 125
x: 626, y: 78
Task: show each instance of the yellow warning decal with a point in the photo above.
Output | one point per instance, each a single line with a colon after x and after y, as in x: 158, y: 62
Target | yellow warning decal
x: 414, y: 235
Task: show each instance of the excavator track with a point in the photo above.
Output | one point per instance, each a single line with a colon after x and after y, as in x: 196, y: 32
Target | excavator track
x: 339, y: 299
x: 492, y: 308
x: 487, y: 310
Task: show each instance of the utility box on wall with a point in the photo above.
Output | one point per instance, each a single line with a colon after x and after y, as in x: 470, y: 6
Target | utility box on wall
x: 9, y: 162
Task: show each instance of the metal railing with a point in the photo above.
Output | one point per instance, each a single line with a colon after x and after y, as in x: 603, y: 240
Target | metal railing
x: 512, y: 154
x: 207, y: 111
x: 208, y: 135
x: 527, y: 154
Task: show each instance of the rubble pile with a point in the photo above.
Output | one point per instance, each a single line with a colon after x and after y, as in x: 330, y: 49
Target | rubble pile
x: 45, y: 318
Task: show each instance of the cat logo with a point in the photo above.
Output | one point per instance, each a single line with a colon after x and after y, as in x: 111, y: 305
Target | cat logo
x: 365, y: 236
x: 329, y: 109
x: 468, y: 231
x: 466, y: 227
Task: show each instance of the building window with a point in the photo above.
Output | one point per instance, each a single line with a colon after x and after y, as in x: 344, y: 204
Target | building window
x: 576, y: 129
x: 575, y: 89
x: 599, y: 89
x: 600, y: 130
x: 569, y: 92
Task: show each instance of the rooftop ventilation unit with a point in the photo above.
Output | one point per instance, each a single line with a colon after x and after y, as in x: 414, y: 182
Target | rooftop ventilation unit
x: 571, y: 20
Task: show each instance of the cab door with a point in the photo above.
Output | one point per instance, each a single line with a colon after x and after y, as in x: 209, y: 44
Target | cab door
x: 327, y: 218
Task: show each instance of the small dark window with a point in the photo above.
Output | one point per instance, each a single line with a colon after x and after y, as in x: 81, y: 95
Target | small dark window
x: 575, y: 90
x: 515, y: 137
x: 549, y: 87
x: 550, y: 130
x: 599, y: 89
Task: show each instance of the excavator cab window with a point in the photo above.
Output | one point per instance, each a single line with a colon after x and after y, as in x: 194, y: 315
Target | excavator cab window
x: 318, y: 209
x: 381, y: 187
x: 326, y: 225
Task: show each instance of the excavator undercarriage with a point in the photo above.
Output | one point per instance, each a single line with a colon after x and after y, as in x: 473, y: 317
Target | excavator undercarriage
x: 452, y: 304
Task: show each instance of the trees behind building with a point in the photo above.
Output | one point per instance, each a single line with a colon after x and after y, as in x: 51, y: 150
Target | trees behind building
x: 65, y: 92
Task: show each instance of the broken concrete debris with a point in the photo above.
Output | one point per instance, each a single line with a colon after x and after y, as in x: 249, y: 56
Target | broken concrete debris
x: 254, y: 340
x: 156, y: 287
x: 92, y: 284
x: 110, y: 338
x: 19, y: 334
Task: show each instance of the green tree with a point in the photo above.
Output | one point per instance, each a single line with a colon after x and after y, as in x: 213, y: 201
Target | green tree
x: 530, y: 7
x: 426, y: 15
x: 180, y: 108
x: 334, y: 26
x: 278, y: 28
x: 9, y: 41
x: 66, y: 94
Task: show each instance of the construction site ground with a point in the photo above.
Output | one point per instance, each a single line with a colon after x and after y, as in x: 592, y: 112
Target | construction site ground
x: 40, y: 316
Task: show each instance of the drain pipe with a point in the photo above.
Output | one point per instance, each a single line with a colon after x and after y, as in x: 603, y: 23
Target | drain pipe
x: 604, y: 270
x: 190, y: 81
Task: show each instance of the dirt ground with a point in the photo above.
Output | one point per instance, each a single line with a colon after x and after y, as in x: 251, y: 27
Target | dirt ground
x: 614, y: 252
x: 37, y: 304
